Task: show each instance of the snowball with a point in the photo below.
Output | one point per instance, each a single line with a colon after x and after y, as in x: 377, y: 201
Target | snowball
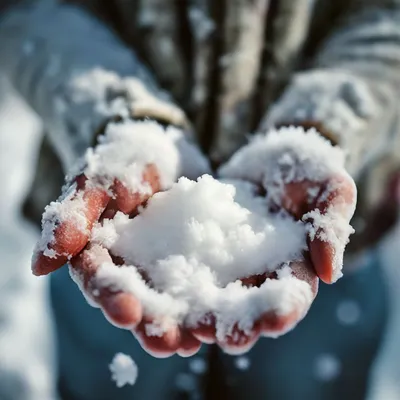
x: 194, y: 243
x: 123, y: 370
x: 242, y: 363
x: 327, y: 367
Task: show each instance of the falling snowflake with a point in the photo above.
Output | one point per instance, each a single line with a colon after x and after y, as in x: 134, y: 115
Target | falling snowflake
x: 123, y: 370
x: 327, y: 367
x: 242, y: 363
x: 197, y: 365
x: 185, y: 382
x: 348, y: 312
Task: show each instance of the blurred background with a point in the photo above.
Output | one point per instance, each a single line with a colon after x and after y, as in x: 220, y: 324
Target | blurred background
x: 26, y: 337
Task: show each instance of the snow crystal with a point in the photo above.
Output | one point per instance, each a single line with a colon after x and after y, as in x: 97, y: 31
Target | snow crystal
x: 123, y: 370
x: 327, y: 367
x: 348, y: 312
x: 194, y: 242
x: 242, y: 363
x: 198, y: 365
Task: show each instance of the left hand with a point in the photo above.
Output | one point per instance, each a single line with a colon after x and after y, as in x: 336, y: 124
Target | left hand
x: 312, y: 189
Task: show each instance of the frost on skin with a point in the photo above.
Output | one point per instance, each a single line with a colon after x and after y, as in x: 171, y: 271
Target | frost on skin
x: 123, y: 370
x: 186, y: 252
x: 303, y: 173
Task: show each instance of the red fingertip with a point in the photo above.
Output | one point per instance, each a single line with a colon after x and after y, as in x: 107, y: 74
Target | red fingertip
x: 42, y: 265
x: 205, y: 332
x: 159, y: 346
x: 322, y: 257
x: 123, y: 309
x: 189, y: 345
x: 273, y: 324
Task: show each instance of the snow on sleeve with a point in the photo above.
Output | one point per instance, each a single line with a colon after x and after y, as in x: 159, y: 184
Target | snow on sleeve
x: 127, y: 148
x: 123, y: 370
x: 194, y: 243
x: 340, y: 101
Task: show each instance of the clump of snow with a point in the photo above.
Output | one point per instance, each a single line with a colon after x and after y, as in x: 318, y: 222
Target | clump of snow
x: 123, y: 370
x: 194, y: 243
x: 128, y: 148
x: 290, y: 155
x: 299, y: 154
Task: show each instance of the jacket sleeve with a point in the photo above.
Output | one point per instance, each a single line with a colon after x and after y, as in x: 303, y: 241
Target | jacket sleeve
x: 351, y: 89
x: 76, y: 74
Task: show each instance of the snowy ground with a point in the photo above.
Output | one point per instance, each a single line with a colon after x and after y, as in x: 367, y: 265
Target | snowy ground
x: 25, y: 334
x: 26, y: 362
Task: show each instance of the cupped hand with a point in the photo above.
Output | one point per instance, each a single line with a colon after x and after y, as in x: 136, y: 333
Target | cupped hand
x: 303, y: 174
x: 98, y: 193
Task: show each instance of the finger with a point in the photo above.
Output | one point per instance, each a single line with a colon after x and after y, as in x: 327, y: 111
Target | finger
x: 240, y: 341
x: 127, y: 201
x: 274, y: 323
x: 330, y: 226
x: 205, y: 331
x: 159, y: 344
x: 66, y: 227
x: 122, y: 309
x: 189, y: 345
x: 298, y: 198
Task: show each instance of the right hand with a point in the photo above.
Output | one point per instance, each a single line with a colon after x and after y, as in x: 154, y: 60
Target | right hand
x: 66, y: 231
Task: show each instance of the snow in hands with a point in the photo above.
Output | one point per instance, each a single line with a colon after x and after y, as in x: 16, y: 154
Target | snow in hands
x: 201, y: 260
x: 186, y: 252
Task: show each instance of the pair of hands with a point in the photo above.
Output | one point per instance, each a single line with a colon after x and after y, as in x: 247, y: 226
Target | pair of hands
x: 69, y: 243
